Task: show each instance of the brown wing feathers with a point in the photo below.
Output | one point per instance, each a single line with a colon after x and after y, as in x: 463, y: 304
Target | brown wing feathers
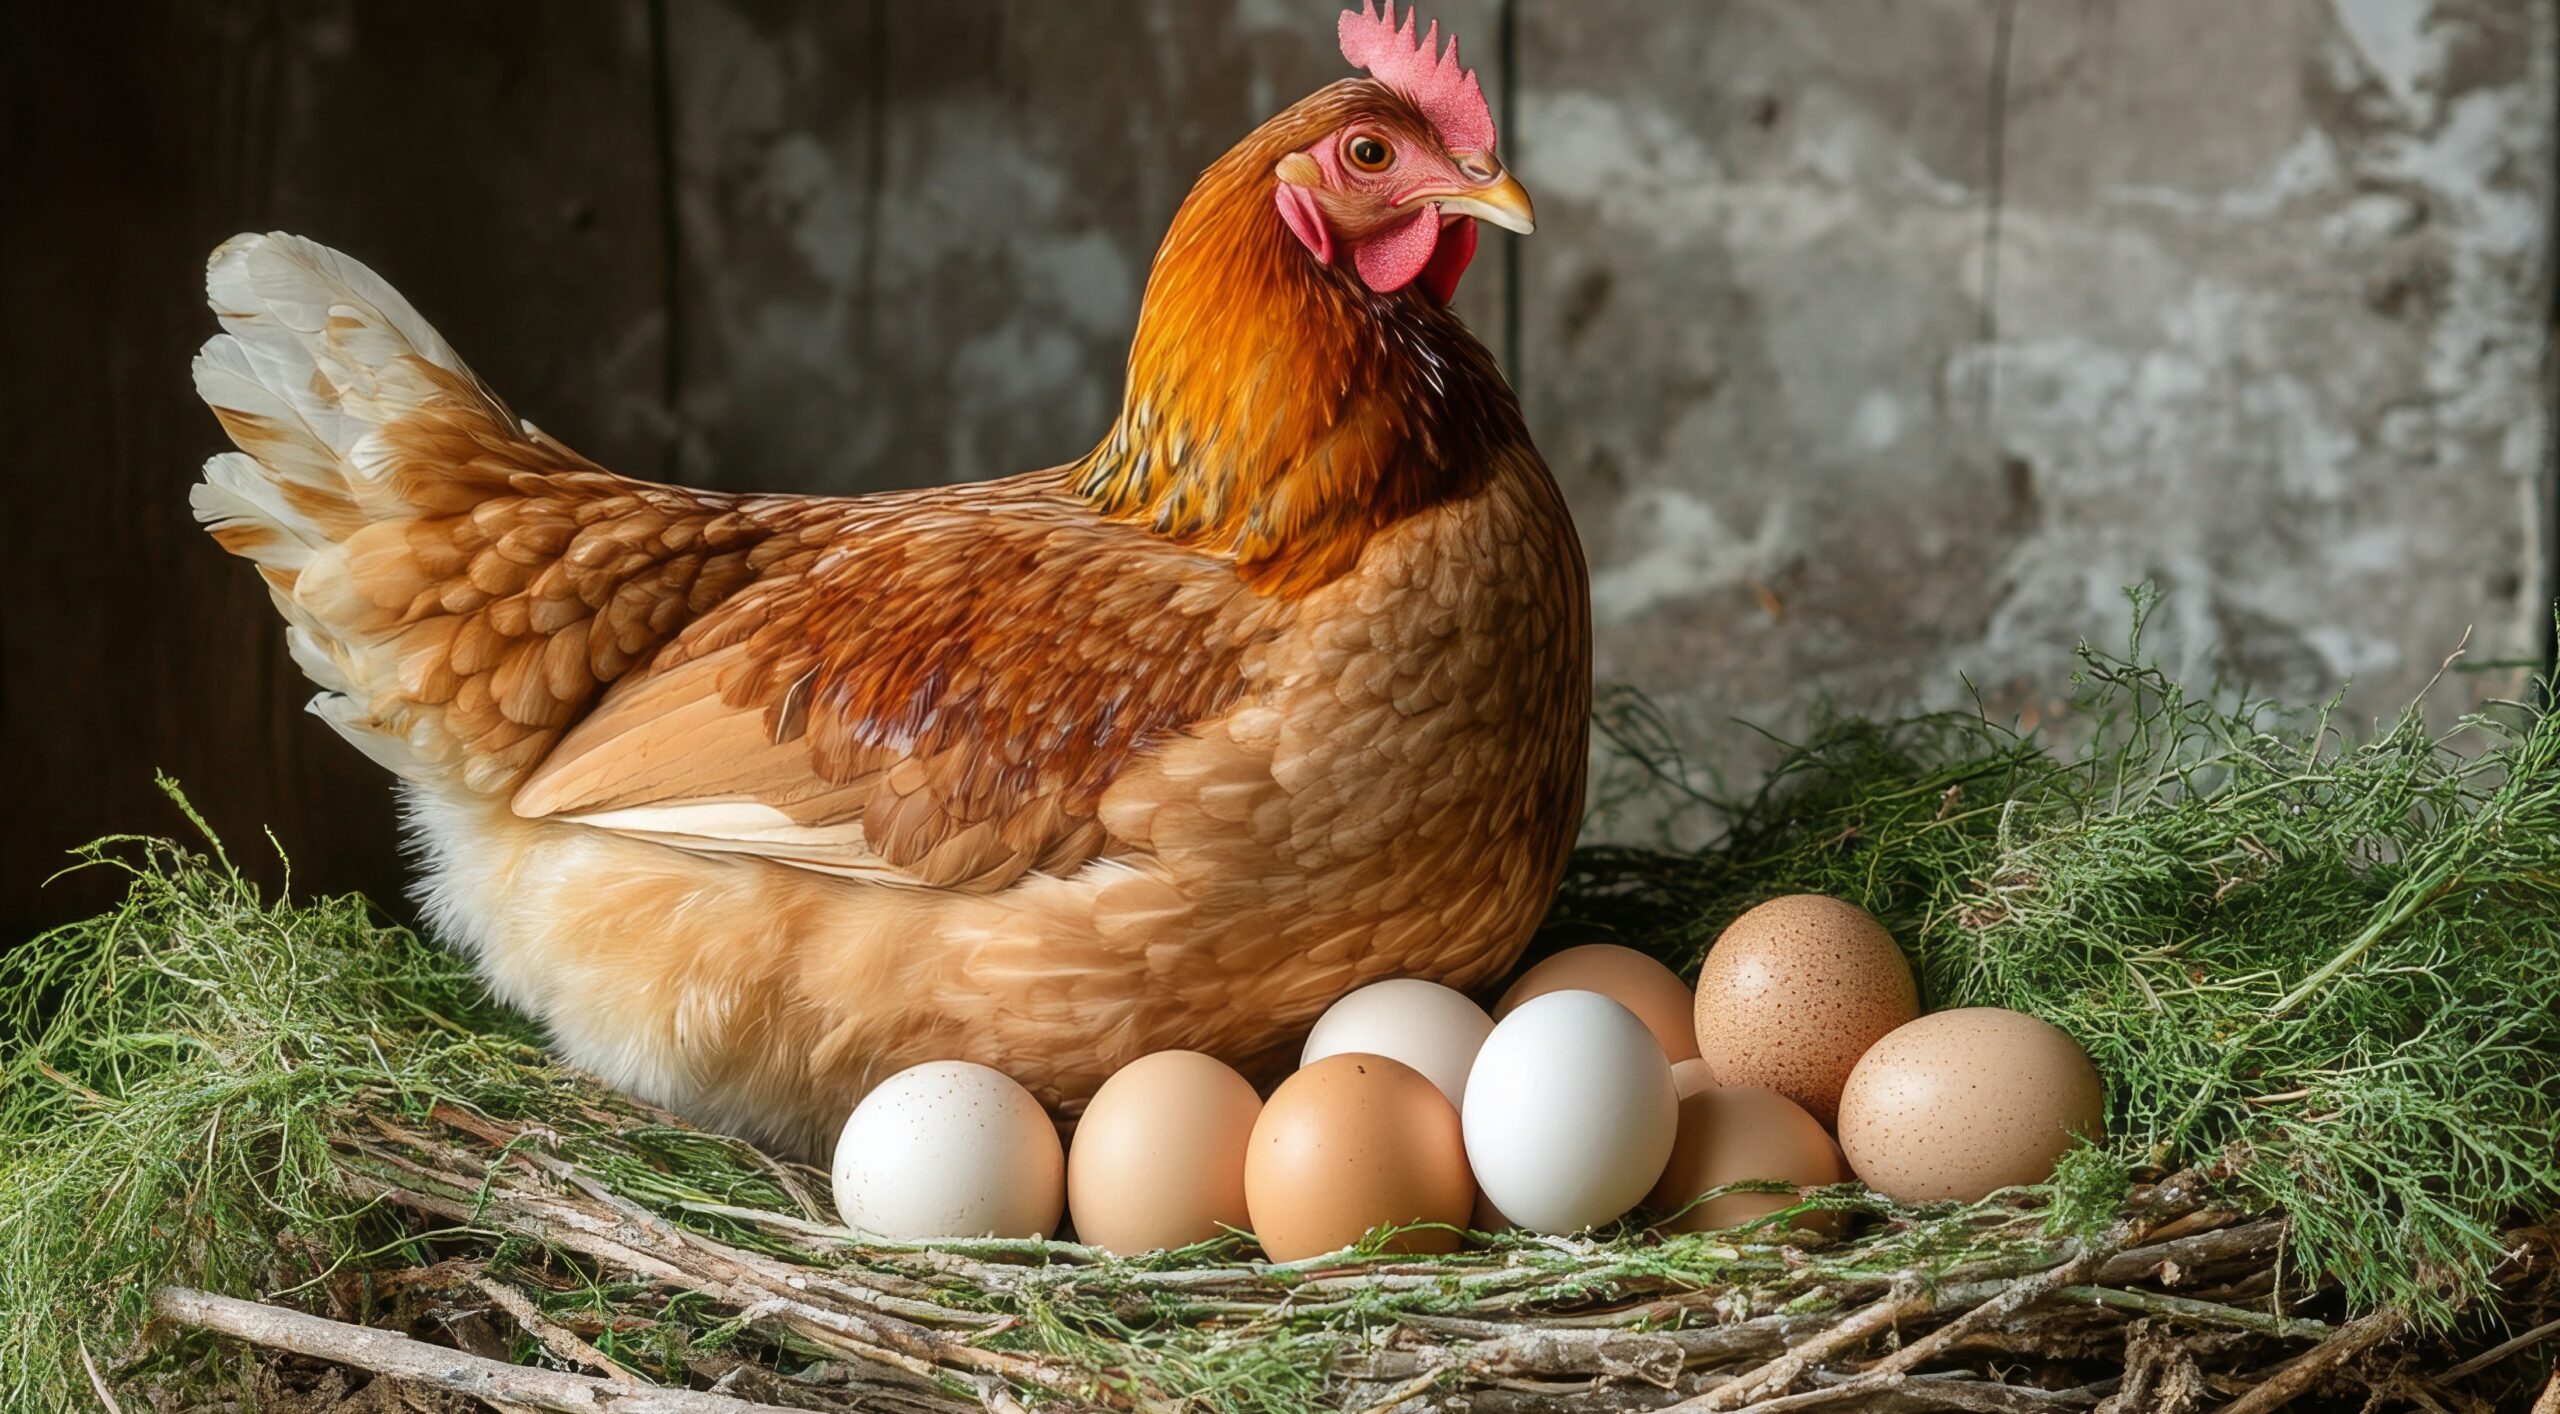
x: 931, y: 687
x: 942, y: 695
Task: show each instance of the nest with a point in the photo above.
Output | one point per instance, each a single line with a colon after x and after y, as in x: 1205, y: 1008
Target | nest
x: 248, y: 1144
x: 573, y: 1271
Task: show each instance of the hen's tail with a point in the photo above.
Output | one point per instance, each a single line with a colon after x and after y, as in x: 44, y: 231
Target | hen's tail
x: 458, y: 585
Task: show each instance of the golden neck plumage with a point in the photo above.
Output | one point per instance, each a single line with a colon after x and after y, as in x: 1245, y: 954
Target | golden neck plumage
x: 1277, y: 411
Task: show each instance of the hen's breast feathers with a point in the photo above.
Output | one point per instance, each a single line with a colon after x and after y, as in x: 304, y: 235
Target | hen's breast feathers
x: 936, y: 690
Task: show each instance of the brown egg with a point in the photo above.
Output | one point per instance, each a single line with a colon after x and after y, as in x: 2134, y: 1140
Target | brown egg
x: 1794, y: 992
x: 1961, y: 1103
x: 1732, y: 1133
x: 1631, y: 979
x: 1351, y: 1143
x: 1158, y: 1159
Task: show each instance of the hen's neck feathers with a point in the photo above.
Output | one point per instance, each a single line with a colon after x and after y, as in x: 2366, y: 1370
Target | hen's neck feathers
x: 1278, y: 411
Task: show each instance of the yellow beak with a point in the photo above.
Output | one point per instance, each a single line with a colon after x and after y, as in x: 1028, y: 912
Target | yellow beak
x: 1502, y: 202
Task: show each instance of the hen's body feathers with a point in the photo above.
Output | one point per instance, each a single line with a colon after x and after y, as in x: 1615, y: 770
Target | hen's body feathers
x: 757, y: 799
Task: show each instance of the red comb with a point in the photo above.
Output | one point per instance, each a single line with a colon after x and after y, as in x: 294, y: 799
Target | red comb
x: 1449, y: 96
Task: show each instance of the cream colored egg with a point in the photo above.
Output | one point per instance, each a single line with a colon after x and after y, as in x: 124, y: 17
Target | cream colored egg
x: 1959, y: 1104
x: 1355, y: 1142
x: 1632, y: 979
x: 1731, y: 1134
x: 1158, y: 1158
x: 950, y: 1149
x: 1794, y: 991
x: 1432, y: 1028
x: 1570, y: 1113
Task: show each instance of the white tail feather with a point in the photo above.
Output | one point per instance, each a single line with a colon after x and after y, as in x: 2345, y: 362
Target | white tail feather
x: 317, y: 353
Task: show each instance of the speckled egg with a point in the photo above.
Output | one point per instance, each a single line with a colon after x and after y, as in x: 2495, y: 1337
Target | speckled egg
x: 1794, y: 992
x: 1351, y: 1143
x: 1632, y: 979
x: 950, y: 1149
x: 1961, y: 1103
x: 1730, y: 1134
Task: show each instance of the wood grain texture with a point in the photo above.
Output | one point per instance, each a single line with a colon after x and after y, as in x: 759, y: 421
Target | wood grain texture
x: 496, y: 159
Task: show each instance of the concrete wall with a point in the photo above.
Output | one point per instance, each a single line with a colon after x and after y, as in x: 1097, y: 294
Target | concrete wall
x: 1877, y: 342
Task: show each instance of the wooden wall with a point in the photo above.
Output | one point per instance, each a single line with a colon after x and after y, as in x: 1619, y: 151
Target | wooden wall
x: 1878, y: 342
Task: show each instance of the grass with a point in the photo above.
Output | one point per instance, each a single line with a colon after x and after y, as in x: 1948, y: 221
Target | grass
x: 2337, y: 960
x: 2331, y: 966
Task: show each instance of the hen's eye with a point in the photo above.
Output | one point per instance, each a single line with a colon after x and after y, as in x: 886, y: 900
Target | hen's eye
x: 1367, y: 153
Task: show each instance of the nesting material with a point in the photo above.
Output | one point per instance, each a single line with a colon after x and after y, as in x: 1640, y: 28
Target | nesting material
x: 337, y: 1119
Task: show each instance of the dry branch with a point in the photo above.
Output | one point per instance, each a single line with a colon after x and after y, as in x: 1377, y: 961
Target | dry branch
x: 388, y: 1353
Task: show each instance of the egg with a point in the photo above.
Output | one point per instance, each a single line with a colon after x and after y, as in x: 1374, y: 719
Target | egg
x: 1729, y: 1134
x: 1158, y: 1158
x: 1423, y: 1024
x: 1794, y: 991
x: 1635, y: 981
x: 1961, y: 1103
x: 1690, y: 1076
x: 1570, y: 1113
x: 950, y: 1149
x: 1351, y: 1143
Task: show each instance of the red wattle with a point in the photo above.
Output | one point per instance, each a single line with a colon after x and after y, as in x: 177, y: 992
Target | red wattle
x: 1457, y: 247
x: 1389, y: 260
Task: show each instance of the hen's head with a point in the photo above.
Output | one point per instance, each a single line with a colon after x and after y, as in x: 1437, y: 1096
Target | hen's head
x: 1395, y: 182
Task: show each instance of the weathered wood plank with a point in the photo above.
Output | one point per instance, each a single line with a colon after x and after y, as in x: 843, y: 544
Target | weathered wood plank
x: 493, y: 160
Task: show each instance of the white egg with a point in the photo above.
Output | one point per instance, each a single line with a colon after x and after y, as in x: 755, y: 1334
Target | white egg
x: 950, y: 1149
x: 1423, y: 1024
x: 1571, y: 1112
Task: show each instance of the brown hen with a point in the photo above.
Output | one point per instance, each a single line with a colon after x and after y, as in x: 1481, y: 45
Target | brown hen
x: 754, y: 800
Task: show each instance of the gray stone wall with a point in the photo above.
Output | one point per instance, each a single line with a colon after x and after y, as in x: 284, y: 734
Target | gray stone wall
x: 1878, y: 343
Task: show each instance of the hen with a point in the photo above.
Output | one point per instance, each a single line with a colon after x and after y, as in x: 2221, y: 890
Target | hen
x: 754, y: 800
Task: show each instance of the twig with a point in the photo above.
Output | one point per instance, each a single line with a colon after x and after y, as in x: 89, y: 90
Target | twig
x: 1891, y: 1371
x: 861, y: 1333
x: 396, y: 1355
x: 2190, y: 1252
x: 1950, y: 1391
x: 2496, y: 1353
x: 1419, y: 1384
x: 556, y: 1338
x: 2297, y: 1377
x: 1776, y: 1375
x: 2202, y: 1312
x: 98, y: 1382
